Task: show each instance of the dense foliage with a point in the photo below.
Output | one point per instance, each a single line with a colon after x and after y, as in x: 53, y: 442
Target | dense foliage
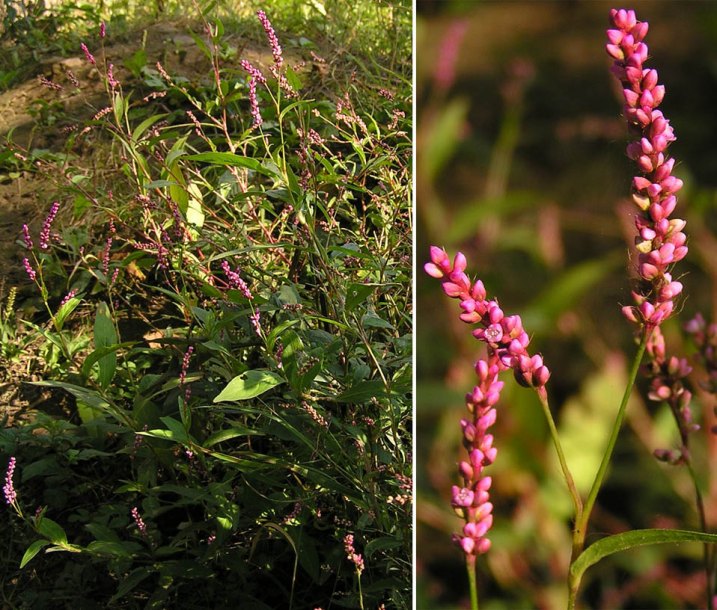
x: 222, y: 313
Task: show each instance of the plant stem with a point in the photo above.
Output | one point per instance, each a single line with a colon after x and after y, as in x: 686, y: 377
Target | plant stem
x: 707, y: 548
x: 360, y: 591
x: 577, y: 501
x: 582, y: 519
x: 472, y: 580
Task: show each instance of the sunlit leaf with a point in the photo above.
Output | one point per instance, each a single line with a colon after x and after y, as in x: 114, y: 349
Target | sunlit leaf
x: 249, y: 384
x: 630, y: 540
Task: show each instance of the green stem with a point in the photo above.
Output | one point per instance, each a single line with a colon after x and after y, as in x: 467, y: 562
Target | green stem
x: 707, y: 548
x: 577, y: 501
x: 472, y: 580
x: 360, y: 591
x: 581, y: 522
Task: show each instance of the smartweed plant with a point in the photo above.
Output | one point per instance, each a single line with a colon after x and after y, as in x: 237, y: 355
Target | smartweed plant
x: 660, y: 243
x: 230, y: 313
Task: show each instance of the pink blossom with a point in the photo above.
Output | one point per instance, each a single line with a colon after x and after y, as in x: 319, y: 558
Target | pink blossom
x: 507, y: 344
x: 351, y: 553
x: 444, y: 73
x: 9, y: 487
x: 88, y: 56
x: 28, y: 268
x: 111, y: 80
x: 26, y: 237
x: 271, y: 35
x: 47, y: 226
x: 141, y: 525
x: 70, y: 295
x: 660, y: 242
x: 185, y: 365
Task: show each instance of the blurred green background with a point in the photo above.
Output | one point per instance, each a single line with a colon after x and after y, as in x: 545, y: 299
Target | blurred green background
x: 521, y: 164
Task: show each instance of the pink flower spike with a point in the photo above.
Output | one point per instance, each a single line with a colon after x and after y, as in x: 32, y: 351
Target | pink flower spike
x: 29, y: 270
x: 660, y: 243
x: 9, y: 487
x: 88, y: 56
x: 271, y: 36
x: 507, y: 347
x: 26, y: 237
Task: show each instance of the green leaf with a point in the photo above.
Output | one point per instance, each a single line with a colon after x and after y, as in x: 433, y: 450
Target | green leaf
x: 175, y: 430
x: 51, y: 530
x: 133, y: 579
x: 145, y: 125
x: 115, y: 549
x: 100, y: 353
x: 249, y: 385
x: 64, y: 311
x: 195, y: 214
x: 119, y: 107
x: 202, y: 45
x: 362, y: 391
x: 89, y: 397
x: 105, y: 336
x: 293, y: 78
x: 178, y: 187
x: 308, y: 556
x: 136, y: 62
x: 357, y: 294
x: 373, y: 321
x: 227, y: 158
x: 276, y: 331
x: 228, y: 434
x: 381, y: 544
x: 33, y: 550
x: 630, y: 540
x: 443, y: 140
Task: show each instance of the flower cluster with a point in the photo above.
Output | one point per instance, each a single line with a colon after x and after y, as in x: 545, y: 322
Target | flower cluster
x: 88, y: 56
x: 9, y: 487
x: 507, y: 344
x: 68, y: 297
x: 111, y: 80
x: 503, y: 334
x: 183, y: 373
x: 660, y: 240
x: 235, y: 280
x: 47, y: 226
x: 26, y: 237
x: 351, y: 554
x: 138, y: 521
x: 28, y: 268
x: 255, y: 76
x: 471, y: 501
x: 444, y: 72
x: 667, y: 375
x: 273, y: 40
x: 185, y: 365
